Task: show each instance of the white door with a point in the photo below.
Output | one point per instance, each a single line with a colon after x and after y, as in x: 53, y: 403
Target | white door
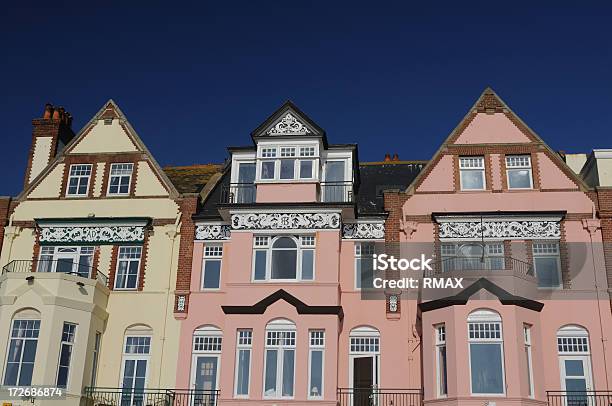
x: 134, y: 380
x: 576, y: 378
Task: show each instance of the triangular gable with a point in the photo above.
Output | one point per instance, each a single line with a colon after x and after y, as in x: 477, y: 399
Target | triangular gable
x: 301, y: 307
x: 110, y: 110
x: 288, y: 120
x: 464, y: 296
x: 474, y: 129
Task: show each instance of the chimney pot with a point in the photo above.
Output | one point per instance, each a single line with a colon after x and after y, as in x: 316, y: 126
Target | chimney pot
x: 56, y: 115
x: 395, y: 157
x: 387, y: 157
x: 48, y: 111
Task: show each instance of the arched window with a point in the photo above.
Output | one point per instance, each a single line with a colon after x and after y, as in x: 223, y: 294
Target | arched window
x: 136, y: 358
x: 207, y: 345
x: 284, y: 258
x: 486, y: 347
x: 23, y: 341
x: 279, y: 367
x: 574, y: 359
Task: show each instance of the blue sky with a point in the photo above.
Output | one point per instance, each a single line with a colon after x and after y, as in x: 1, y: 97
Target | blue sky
x: 392, y: 76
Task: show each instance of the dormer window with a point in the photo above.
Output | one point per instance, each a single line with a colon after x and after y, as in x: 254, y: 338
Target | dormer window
x: 287, y: 162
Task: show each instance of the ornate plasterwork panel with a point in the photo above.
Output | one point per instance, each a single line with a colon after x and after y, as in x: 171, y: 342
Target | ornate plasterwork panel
x: 363, y: 231
x: 289, y: 125
x: 500, y: 229
x: 92, y: 234
x: 285, y: 221
x: 212, y: 232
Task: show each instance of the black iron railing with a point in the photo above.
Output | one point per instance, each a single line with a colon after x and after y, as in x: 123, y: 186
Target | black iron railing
x: 150, y: 397
x: 379, y: 397
x: 487, y: 263
x: 337, y: 192
x: 579, y: 398
x: 238, y: 193
x: 59, y: 265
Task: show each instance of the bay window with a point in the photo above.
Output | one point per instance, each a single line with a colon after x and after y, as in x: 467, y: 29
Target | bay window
x: 287, y: 162
x: 283, y: 258
x: 75, y: 260
x: 21, y: 352
x: 279, y: 362
x: 472, y: 255
x: 486, y: 353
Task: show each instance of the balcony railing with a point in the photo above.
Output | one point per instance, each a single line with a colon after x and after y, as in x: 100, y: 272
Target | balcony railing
x: 579, y: 398
x: 379, y: 397
x: 150, y: 397
x: 238, y: 193
x: 60, y: 265
x: 487, y: 263
x: 337, y: 192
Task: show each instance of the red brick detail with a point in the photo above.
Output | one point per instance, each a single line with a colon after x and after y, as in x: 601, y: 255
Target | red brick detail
x: 508, y: 254
x: 529, y: 249
x: 35, y: 251
x: 604, y: 204
x: 95, y: 262
x: 564, y: 257
x: 5, y: 212
x: 120, y: 159
x: 143, y: 262
x: 535, y: 171
x: 488, y: 172
x: 113, y: 267
x: 188, y: 206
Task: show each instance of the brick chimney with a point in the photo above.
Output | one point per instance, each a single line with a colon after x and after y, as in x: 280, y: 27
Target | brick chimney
x: 49, y: 136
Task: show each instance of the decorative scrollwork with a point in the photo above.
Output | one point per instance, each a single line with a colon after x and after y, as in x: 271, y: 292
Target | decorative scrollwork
x: 180, y: 303
x: 92, y: 234
x: 284, y: 221
x: 289, y: 125
x: 500, y: 229
x: 365, y: 231
x: 212, y: 232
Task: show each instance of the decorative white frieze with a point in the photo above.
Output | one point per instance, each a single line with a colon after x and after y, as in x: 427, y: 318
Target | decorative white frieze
x: 92, y: 234
x: 212, y: 232
x: 363, y: 231
x: 285, y: 221
x: 289, y: 125
x: 180, y: 303
x: 500, y: 229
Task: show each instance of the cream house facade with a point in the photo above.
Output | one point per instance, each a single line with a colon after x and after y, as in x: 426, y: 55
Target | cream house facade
x: 89, y: 259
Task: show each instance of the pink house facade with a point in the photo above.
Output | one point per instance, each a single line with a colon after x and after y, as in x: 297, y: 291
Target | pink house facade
x: 278, y: 309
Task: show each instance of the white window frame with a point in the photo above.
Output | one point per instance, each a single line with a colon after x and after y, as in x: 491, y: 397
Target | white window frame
x: 129, y: 260
x: 95, y: 358
x: 80, y: 178
x: 487, y: 317
x: 573, y: 343
x: 120, y: 176
x: 35, y: 327
x: 244, y: 342
x: 50, y: 254
x: 284, y: 330
x: 513, y: 163
x: 529, y: 358
x: 306, y: 242
x: 365, y: 342
x: 467, y: 164
x: 135, y: 356
x: 440, y: 337
x: 295, y: 151
x: 212, y: 252
x: 360, y: 255
x: 212, y: 345
x: 547, y: 249
x: 67, y: 341
x: 316, y: 340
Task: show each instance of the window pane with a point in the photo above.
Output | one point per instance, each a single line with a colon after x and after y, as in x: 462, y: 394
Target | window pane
x: 267, y: 170
x: 305, y: 169
x: 365, y: 272
x: 212, y: 273
x: 284, y: 264
x: 573, y: 367
x: 307, y: 264
x: 260, y: 265
x: 472, y: 180
x: 270, y: 382
x: 244, y: 362
x: 287, y: 168
x: 547, y: 271
x: 519, y: 179
x: 316, y: 373
x: 442, y: 370
x: 288, y: 370
x: 486, y: 368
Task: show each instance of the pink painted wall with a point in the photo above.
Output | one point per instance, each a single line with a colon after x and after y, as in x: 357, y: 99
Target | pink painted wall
x: 286, y: 192
x: 491, y: 128
x: 441, y: 177
x: 550, y: 175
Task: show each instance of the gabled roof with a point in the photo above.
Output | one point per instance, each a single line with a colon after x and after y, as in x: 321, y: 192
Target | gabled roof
x: 490, y: 102
x: 110, y: 109
x: 463, y: 297
x: 288, y: 120
x: 301, y: 307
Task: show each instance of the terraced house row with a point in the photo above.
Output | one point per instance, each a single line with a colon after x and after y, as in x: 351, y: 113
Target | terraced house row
x: 250, y: 283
